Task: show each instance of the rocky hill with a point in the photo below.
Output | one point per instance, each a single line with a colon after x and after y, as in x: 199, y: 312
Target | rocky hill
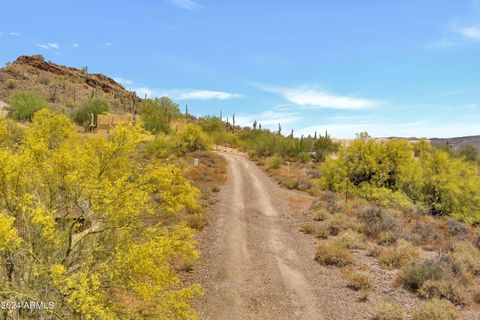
x: 64, y: 87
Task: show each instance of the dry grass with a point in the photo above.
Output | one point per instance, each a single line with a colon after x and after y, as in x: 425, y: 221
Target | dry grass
x: 333, y: 254
x: 436, y: 309
x: 321, y: 214
x: 464, y: 257
x: 476, y: 295
x: 388, y: 311
x: 399, y: 255
x: 211, y: 172
x: 443, y: 289
x: 353, y: 240
x: 359, y: 280
x: 196, y: 221
x: 308, y: 227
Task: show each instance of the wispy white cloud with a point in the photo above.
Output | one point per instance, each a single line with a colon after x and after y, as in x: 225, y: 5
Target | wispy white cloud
x: 312, y: 97
x: 443, y: 43
x: 14, y: 34
x: 123, y: 81
x: 187, y: 94
x: 108, y: 44
x: 268, y: 119
x: 43, y: 46
x: 75, y: 45
x: 46, y: 46
x: 471, y: 33
x: 185, y: 4
x: 201, y: 95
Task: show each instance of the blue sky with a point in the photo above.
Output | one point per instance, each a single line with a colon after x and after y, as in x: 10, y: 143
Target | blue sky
x: 392, y: 68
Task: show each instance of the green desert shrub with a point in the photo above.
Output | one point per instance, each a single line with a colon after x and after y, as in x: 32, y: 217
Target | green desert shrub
x: 436, y: 309
x: 274, y: 162
x: 82, y: 116
x: 380, y: 223
x: 415, y: 275
x: 162, y: 146
x: 157, y: 113
x: 192, y: 139
x: 388, y: 311
x: 24, y: 104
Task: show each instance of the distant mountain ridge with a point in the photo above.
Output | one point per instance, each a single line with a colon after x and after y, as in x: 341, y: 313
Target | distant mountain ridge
x: 455, y: 142
x: 458, y: 142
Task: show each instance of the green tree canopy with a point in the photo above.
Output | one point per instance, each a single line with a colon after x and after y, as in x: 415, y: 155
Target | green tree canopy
x: 82, y: 116
x: 24, y: 105
x: 388, y: 172
x: 157, y: 113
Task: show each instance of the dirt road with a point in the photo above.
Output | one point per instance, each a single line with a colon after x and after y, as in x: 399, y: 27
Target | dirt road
x: 256, y: 264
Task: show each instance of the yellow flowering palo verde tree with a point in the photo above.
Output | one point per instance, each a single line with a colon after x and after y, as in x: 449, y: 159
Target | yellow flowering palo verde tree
x: 398, y: 173
x: 85, y: 225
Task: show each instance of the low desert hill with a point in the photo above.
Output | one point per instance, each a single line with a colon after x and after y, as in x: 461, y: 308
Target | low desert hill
x: 458, y: 142
x: 64, y: 87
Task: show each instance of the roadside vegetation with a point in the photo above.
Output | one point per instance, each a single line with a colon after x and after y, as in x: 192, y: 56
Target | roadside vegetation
x: 100, y: 223
x: 88, y: 225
